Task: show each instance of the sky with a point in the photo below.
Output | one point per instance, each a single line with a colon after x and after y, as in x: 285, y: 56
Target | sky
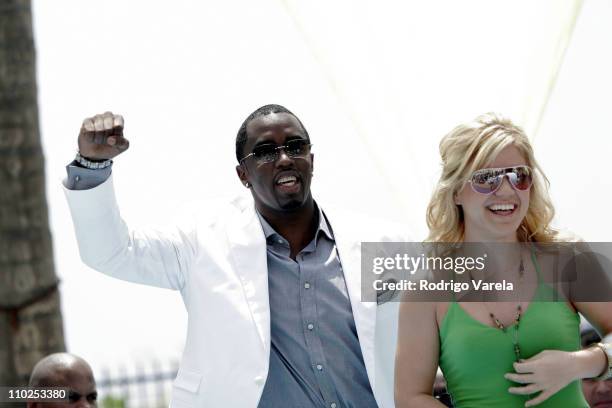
x: 376, y: 83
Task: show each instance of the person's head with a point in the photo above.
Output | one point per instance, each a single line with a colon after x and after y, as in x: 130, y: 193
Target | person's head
x: 66, y: 371
x: 508, y: 201
x: 279, y: 179
x: 597, y: 393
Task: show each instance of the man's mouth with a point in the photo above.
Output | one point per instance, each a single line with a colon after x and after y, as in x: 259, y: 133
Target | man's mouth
x: 289, y: 184
x: 287, y: 181
x: 503, y: 210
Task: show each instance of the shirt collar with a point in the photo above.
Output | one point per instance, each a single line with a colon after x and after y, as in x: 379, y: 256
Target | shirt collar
x: 323, y: 227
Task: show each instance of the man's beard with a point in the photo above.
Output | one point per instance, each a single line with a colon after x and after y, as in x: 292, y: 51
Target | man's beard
x: 292, y: 205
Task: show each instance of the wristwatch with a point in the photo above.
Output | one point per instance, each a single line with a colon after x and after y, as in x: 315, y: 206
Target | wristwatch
x: 92, y: 164
x: 607, y: 349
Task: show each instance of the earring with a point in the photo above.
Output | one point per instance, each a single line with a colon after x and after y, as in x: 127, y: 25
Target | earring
x: 247, y: 184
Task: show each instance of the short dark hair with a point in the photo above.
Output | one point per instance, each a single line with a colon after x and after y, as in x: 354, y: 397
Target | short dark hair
x: 588, y: 336
x: 241, y: 137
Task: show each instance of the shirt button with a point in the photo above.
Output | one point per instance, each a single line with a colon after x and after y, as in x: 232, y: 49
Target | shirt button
x: 319, y: 367
x: 333, y: 405
x: 310, y: 326
x: 307, y: 285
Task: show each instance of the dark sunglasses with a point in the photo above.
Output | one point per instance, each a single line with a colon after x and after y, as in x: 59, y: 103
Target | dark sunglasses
x: 488, y: 181
x: 267, y: 153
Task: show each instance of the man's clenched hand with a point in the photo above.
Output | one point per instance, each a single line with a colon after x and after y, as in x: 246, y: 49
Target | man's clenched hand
x: 101, y: 137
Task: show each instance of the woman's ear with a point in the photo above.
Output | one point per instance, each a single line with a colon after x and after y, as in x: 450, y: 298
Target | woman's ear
x: 457, y: 195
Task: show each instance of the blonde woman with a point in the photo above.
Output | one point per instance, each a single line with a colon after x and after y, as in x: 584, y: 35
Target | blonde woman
x: 502, y: 354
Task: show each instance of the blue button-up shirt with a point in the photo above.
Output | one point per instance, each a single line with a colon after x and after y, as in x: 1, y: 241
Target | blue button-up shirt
x: 315, y: 357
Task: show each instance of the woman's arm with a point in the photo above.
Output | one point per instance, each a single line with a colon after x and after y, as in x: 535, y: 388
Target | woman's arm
x: 551, y: 370
x: 592, y: 361
x: 416, y: 358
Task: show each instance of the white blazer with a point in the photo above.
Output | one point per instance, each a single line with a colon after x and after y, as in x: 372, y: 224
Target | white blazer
x: 217, y: 260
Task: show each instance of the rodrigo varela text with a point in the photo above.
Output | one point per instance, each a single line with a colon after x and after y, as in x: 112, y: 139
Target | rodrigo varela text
x: 445, y: 286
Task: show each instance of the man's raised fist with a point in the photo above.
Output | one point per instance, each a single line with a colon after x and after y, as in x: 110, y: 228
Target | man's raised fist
x: 101, y: 137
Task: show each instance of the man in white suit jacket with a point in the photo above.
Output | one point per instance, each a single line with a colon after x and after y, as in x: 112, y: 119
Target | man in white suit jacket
x: 272, y: 284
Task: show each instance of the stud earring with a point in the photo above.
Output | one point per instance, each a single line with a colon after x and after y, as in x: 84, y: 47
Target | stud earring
x: 247, y: 184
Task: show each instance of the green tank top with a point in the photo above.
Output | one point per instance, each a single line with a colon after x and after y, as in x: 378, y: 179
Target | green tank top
x: 474, y: 357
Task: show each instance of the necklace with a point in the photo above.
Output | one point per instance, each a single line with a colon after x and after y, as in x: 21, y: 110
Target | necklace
x: 517, y: 319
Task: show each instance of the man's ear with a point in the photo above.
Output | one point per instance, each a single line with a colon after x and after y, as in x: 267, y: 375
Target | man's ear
x: 242, y: 175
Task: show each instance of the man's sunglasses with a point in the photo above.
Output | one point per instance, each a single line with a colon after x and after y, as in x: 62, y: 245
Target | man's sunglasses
x: 488, y: 181
x: 268, y: 153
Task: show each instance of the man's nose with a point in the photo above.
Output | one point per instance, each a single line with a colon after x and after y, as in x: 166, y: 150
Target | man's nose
x: 604, y: 387
x: 283, y: 158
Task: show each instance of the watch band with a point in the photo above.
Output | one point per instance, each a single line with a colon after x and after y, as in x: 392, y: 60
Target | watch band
x: 607, y: 349
x: 92, y: 164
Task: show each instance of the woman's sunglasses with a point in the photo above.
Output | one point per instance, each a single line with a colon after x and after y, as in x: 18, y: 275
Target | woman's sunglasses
x: 488, y: 181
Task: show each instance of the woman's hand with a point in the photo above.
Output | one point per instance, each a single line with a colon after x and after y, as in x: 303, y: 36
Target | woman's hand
x: 546, y: 372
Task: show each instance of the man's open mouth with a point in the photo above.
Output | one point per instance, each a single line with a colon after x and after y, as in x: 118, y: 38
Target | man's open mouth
x: 287, y: 181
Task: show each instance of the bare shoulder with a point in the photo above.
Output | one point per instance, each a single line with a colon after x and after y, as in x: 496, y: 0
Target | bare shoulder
x: 441, y: 311
x: 419, y: 312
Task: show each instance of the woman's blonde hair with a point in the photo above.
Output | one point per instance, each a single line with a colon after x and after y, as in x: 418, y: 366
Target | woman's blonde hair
x: 472, y: 146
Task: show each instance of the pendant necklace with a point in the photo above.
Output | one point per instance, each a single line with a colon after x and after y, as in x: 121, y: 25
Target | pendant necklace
x: 517, y: 319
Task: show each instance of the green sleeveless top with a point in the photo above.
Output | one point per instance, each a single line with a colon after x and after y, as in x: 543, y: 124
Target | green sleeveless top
x: 474, y: 357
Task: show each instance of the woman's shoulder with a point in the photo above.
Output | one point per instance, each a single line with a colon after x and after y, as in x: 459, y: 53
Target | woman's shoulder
x: 442, y: 309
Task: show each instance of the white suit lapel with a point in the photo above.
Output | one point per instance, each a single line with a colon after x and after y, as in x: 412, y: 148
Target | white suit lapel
x: 364, y: 313
x: 248, y: 253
